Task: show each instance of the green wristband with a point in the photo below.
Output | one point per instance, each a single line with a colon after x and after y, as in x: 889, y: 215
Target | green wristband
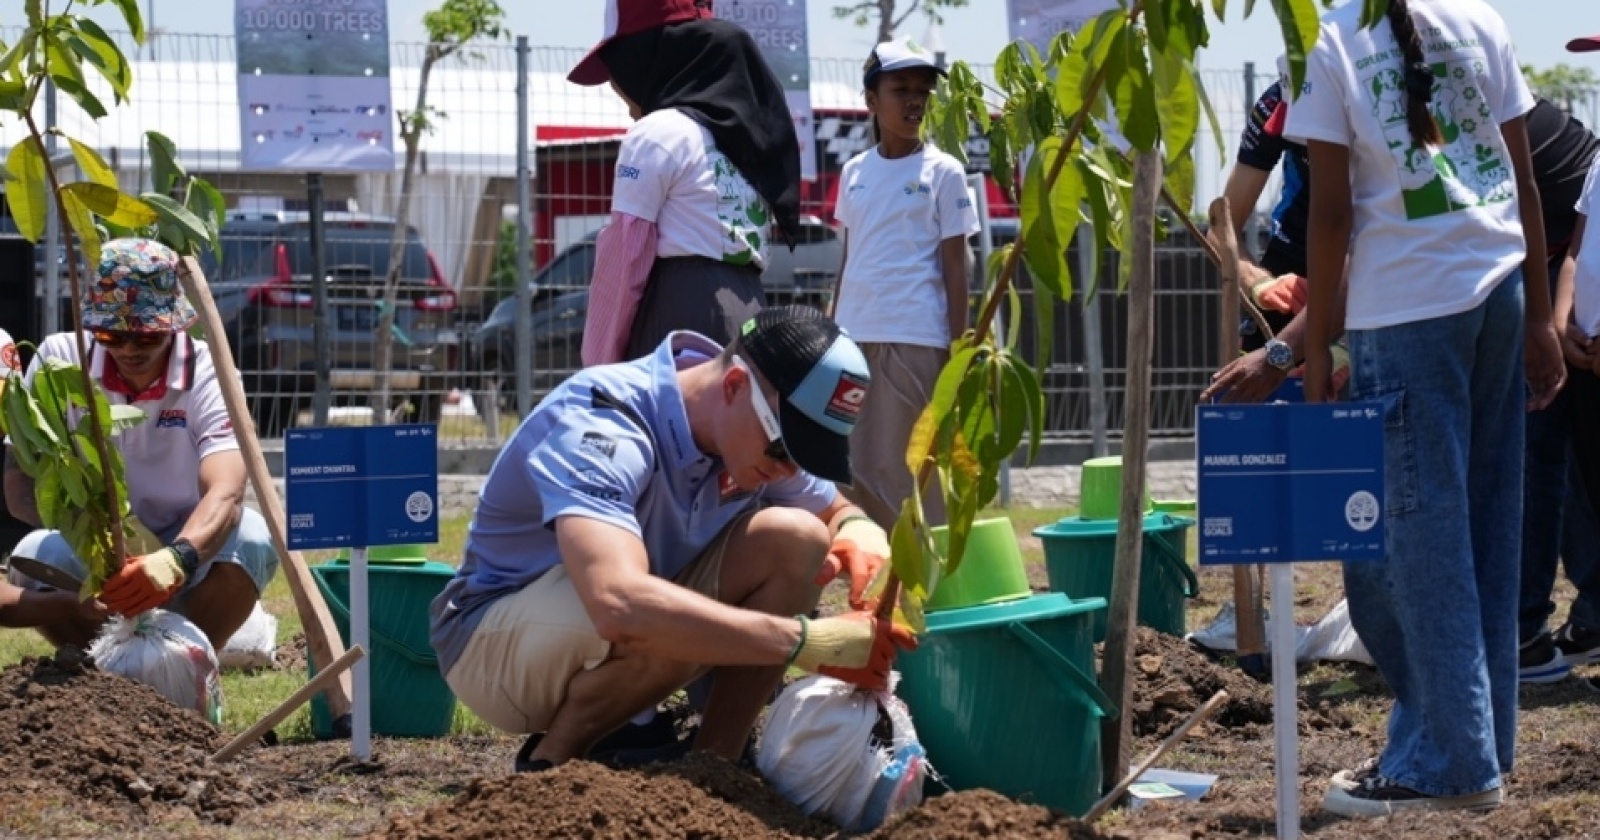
x: 805, y: 625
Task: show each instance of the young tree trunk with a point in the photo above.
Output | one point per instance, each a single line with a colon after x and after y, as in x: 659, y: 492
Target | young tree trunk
x: 885, y: 20
x: 1118, y: 734
x: 383, y: 338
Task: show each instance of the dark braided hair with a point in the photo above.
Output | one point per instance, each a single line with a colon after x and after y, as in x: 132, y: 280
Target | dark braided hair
x: 1417, y: 74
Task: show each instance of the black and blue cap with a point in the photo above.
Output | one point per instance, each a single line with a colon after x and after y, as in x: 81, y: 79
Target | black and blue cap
x: 821, y: 378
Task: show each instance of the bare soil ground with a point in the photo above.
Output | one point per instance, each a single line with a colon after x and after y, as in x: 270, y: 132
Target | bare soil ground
x: 86, y: 754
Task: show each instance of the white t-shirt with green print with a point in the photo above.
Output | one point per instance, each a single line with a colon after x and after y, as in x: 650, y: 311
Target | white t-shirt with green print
x: 670, y: 172
x: 1437, y: 228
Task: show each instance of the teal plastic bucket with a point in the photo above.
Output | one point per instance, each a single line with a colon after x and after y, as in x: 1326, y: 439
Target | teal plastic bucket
x: 1004, y: 697
x: 409, y: 696
x: 1080, y: 556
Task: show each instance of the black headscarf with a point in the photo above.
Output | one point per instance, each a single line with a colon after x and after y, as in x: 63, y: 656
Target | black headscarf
x: 712, y: 71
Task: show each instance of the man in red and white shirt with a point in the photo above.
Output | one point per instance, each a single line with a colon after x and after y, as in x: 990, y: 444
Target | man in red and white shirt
x: 184, y: 472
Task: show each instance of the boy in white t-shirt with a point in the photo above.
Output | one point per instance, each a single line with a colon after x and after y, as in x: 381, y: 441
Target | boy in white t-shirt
x: 907, y: 213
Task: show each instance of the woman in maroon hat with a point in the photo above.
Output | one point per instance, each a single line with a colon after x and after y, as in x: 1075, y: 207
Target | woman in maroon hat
x: 707, y: 172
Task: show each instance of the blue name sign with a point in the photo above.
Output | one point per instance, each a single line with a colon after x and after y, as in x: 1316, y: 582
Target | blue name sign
x: 1290, y: 482
x: 361, y: 486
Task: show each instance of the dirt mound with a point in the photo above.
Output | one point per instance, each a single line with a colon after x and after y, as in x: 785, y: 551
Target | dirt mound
x: 1172, y: 679
x: 111, y: 745
x: 582, y: 799
x: 975, y: 814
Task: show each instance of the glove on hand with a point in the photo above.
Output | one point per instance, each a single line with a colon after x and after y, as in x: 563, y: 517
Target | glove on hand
x: 144, y: 583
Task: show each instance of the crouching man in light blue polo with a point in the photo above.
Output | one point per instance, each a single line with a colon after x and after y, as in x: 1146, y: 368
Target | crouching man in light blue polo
x: 659, y: 519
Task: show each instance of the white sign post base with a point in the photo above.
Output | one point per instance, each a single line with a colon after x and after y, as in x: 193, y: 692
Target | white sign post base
x: 361, y: 676
x: 1285, y: 713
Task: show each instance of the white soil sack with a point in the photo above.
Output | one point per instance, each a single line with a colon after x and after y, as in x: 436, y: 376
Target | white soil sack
x: 166, y: 652
x: 819, y: 749
x: 253, y: 645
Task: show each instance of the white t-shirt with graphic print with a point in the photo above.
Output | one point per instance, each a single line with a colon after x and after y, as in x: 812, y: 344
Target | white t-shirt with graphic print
x: 669, y: 171
x: 1436, y: 229
x: 896, y: 213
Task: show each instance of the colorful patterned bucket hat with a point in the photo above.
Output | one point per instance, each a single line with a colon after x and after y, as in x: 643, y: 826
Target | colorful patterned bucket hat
x: 137, y: 290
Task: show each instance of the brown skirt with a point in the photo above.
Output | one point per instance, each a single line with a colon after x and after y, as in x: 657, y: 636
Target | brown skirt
x: 707, y: 296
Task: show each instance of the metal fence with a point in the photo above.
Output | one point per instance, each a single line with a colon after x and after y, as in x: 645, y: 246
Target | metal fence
x: 455, y: 347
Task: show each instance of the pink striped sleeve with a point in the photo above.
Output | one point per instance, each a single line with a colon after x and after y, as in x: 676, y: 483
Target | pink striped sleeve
x: 624, y: 253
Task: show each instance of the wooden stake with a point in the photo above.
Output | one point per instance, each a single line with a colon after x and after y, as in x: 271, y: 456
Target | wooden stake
x: 1251, y: 627
x: 1118, y: 657
x: 322, y: 635
x: 324, y: 678
x: 1200, y: 715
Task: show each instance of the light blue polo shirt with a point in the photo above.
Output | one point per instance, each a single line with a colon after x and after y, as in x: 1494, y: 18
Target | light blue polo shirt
x: 611, y: 443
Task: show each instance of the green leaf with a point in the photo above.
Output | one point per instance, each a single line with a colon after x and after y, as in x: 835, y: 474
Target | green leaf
x: 1211, y: 116
x: 81, y: 218
x: 75, y: 90
x: 1177, y: 102
x: 1299, y: 21
x: 28, y: 190
x: 178, y: 222
x: 25, y: 43
x: 1049, y: 219
x: 1033, y: 392
x: 13, y: 95
x: 905, y: 554
x: 1002, y: 163
x: 102, y: 53
x: 1090, y: 49
x: 130, y: 15
x: 124, y: 417
x: 116, y: 206
x: 1179, y: 177
x: 1220, y: 8
x: 1044, y: 324
x: 1373, y: 11
x: 94, y: 167
x: 1012, y: 415
x: 1133, y: 93
x: 164, y: 167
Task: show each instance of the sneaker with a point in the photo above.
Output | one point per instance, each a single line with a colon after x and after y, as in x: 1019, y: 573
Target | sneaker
x: 1379, y: 796
x: 1352, y: 779
x: 1540, y: 661
x: 1579, y: 645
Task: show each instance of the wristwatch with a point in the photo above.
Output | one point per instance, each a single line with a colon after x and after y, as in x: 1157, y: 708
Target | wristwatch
x: 1280, y: 355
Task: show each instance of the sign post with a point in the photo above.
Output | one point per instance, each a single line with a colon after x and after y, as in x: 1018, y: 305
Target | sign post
x: 356, y: 487
x: 1280, y: 484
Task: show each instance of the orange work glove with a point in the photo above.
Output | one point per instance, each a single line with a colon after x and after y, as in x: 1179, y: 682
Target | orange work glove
x: 144, y: 583
x: 855, y: 647
x: 861, y: 549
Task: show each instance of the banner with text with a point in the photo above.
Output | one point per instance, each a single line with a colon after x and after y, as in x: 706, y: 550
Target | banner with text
x: 314, y: 85
x: 779, y: 29
x: 1039, y: 21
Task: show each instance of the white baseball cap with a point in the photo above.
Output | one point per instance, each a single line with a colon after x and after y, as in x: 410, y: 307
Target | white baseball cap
x: 903, y: 54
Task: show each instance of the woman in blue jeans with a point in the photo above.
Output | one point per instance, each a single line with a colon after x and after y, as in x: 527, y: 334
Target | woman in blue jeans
x: 1420, y: 168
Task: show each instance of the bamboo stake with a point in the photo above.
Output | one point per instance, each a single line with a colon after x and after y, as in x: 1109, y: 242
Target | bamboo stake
x: 322, y: 680
x: 1200, y: 715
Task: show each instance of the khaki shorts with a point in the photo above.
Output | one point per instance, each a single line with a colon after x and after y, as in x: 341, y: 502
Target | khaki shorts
x: 515, y: 670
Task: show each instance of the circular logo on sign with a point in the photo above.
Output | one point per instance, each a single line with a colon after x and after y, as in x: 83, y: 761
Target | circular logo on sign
x: 419, y: 506
x: 1361, y: 511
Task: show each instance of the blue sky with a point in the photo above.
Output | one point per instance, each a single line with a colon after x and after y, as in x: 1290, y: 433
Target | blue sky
x: 1541, y: 27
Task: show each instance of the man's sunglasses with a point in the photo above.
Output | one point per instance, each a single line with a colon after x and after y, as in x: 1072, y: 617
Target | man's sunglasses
x: 769, y: 421
x: 120, y: 339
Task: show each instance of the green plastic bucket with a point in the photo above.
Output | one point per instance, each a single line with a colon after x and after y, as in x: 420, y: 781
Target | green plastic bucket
x: 1004, y: 697
x: 1100, y: 489
x: 1080, y: 555
x: 409, y: 696
x: 991, y: 567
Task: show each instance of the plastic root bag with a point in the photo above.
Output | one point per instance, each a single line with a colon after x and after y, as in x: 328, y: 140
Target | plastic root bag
x: 850, y: 755
x: 167, y: 652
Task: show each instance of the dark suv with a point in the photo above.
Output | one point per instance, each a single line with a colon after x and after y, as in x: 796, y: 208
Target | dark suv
x: 561, y: 303
x: 263, y: 289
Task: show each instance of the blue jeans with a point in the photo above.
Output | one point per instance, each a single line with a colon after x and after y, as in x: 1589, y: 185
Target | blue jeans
x: 1439, y: 613
x: 1557, y: 523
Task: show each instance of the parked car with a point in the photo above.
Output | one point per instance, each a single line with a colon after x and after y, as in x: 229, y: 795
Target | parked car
x: 561, y: 303
x: 263, y: 289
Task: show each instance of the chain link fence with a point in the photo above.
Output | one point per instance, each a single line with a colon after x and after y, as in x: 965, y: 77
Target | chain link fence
x: 456, y: 339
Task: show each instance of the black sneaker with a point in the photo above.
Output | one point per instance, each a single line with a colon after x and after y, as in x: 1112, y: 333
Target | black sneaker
x: 1351, y: 779
x: 1379, y: 796
x: 1540, y: 661
x: 1579, y: 645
